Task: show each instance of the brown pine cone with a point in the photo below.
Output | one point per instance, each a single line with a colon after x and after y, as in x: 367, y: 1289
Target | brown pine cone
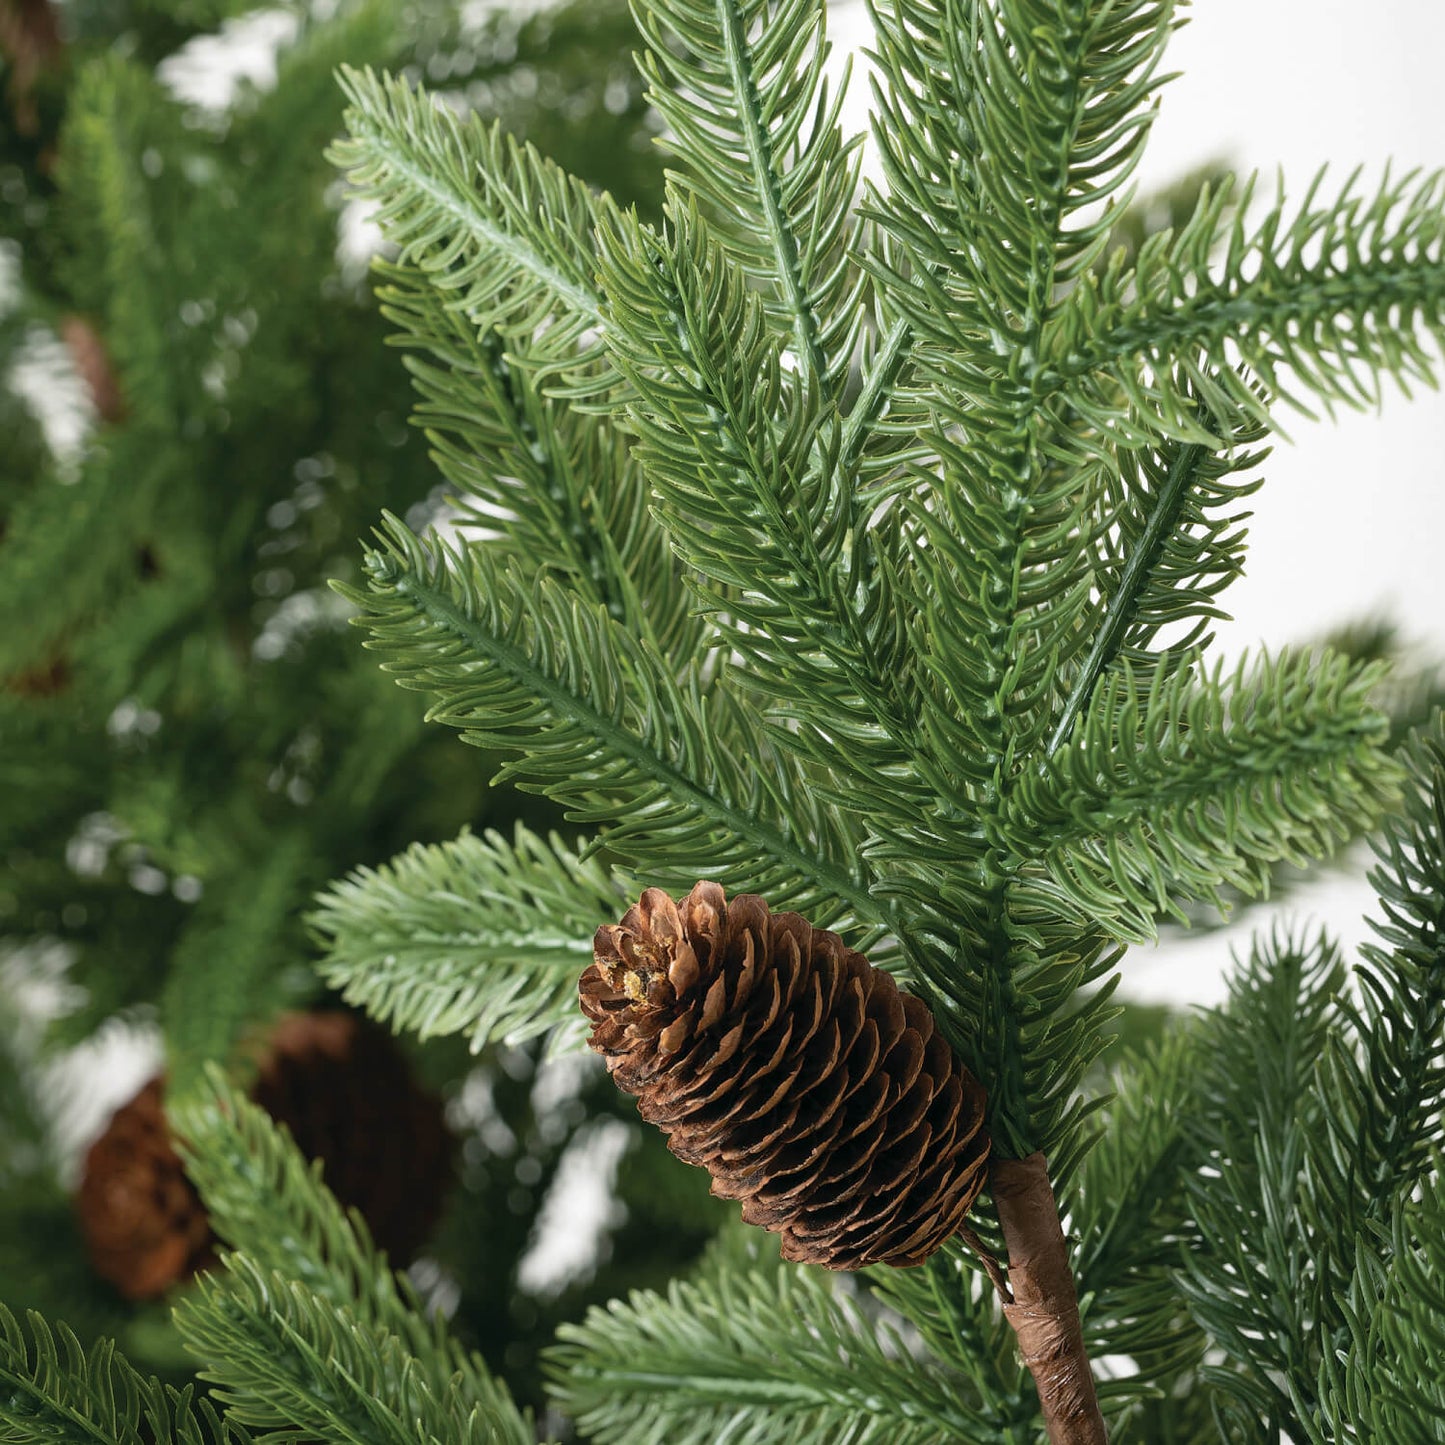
x: 345, y: 1092
x: 798, y: 1074
x: 143, y: 1222
x: 344, y: 1089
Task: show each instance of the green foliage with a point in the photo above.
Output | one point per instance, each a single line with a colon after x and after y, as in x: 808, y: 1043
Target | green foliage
x: 955, y: 492
x: 1386, y: 1385
x: 189, y: 746
x: 1126, y: 815
x: 50, y: 1389
x: 767, y: 1354
x: 1238, y: 294
x: 285, y: 1360
x: 418, y: 942
x: 593, y: 717
x: 307, y: 1330
x: 1339, y: 1095
x: 502, y: 234
x: 1131, y: 1218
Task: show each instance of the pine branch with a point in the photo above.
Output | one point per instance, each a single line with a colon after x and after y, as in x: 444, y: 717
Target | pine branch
x: 1328, y: 300
x: 481, y: 936
x: 746, y: 460
x: 1393, y: 1070
x: 282, y: 1358
x: 51, y: 1389
x: 1342, y: 1101
x: 975, y: 604
x: 556, y: 485
x: 1169, y: 548
x: 504, y: 236
x: 1387, y: 1385
x: 741, y: 85
x: 951, y: 1303
x: 223, y: 969
x: 46, y: 529
x: 761, y: 1355
x: 116, y: 109
x: 593, y: 719
x: 1129, y: 1213
x: 1044, y: 100
x: 1251, y: 1282
x: 1016, y: 90
x: 1203, y: 784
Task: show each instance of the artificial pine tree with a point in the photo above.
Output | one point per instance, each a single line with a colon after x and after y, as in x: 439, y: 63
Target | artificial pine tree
x: 856, y: 555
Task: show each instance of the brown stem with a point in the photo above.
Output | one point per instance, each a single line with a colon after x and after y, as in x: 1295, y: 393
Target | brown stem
x: 92, y: 361
x: 1044, y: 1311
x: 30, y: 41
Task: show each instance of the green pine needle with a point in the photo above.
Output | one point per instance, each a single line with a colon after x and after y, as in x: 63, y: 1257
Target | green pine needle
x: 766, y: 1355
x: 52, y: 1389
x: 483, y: 936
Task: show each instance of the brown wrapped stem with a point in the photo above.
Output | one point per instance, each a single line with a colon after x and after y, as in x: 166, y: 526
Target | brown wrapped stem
x: 1045, y: 1309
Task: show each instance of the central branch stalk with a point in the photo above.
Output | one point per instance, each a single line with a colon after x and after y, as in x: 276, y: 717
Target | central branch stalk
x: 1044, y: 1311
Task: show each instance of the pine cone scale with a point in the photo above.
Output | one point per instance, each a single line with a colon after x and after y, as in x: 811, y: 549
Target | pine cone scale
x: 798, y: 1075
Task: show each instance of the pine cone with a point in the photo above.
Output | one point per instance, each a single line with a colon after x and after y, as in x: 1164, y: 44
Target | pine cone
x: 794, y: 1071
x: 143, y: 1222
x: 345, y: 1092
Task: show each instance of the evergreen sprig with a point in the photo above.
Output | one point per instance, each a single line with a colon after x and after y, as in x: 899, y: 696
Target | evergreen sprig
x: 571, y: 491
x: 1325, y: 300
x: 420, y: 941
x: 1386, y: 1384
x: 744, y: 93
x: 592, y: 716
x: 52, y: 1389
x: 1130, y: 1213
x: 284, y: 1359
x: 1127, y: 815
x: 990, y: 667
x: 502, y: 234
x: 770, y: 1354
x: 1302, y: 1209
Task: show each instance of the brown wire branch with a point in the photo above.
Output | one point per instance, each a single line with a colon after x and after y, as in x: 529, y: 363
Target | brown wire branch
x: 1043, y: 1308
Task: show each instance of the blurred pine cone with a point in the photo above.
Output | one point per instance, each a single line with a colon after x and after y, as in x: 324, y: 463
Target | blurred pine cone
x: 143, y: 1222
x: 798, y: 1074
x: 344, y: 1089
x: 345, y: 1092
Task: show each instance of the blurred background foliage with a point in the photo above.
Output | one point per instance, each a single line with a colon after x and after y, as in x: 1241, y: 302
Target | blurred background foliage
x: 199, y: 419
